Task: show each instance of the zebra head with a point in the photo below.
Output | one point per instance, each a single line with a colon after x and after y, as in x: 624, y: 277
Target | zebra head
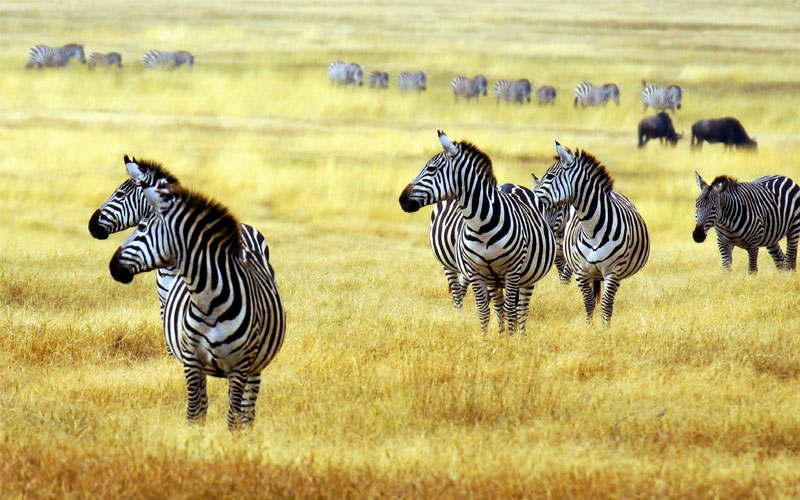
x: 434, y: 182
x: 555, y: 216
x: 707, y: 205
x: 150, y: 245
x: 480, y: 84
x: 555, y: 188
x: 75, y: 51
x: 127, y: 205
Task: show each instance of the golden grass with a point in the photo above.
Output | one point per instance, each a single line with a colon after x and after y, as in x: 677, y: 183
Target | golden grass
x: 382, y: 389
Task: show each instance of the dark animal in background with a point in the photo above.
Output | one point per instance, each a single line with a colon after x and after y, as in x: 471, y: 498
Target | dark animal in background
x: 728, y: 131
x: 658, y: 127
x: 546, y: 95
x: 379, y: 80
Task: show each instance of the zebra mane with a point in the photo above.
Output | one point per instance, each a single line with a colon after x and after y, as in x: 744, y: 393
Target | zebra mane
x: 228, y: 226
x: 592, y: 164
x: 725, y: 181
x: 156, y: 170
x: 484, y: 160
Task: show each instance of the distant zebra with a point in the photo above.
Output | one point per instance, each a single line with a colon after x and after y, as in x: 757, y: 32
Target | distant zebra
x: 589, y: 94
x: 341, y: 73
x: 661, y: 98
x: 750, y: 215
x: 127, y: 207
x: 158, y: 58
x: 43, y: 55
x: 469, y: 87
x: 504, y: 246
x: 110, y: 59
x: 606, y: 239
x: 412, y: 80
x: 228, y: 320
x: 379, y: 80
x: 545, y: 95
x: 516, y: 91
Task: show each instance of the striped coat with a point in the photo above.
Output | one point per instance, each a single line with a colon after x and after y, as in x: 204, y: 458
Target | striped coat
x: 160, y: 58
x: 110, y: 59
x: 44, y: 55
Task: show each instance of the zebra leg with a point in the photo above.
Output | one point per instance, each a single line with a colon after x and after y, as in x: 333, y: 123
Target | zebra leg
x: 611, y: 287
x: 523, y: 307
x: 236, y: 384
x: 752, y: 254
x: 725, y: 252
x: 496, y: 295
x: 249, y: 398
x: 198, y: 397
x: 482, y: 302
x: 512, y: 301
x: 454, y: 284
x: 777, y: 256
x: 586, y: 284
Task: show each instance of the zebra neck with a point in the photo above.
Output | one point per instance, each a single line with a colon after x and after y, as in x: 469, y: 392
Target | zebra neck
x: 734, y: 205
x: 593, y: 209
x: 480, y: 205
x: 208, y: 274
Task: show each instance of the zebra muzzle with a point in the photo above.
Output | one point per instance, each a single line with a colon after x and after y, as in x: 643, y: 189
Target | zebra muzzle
x: 118, y: 271
x: 407, y: 203
x: 95, y: 229
x: 698, y: 234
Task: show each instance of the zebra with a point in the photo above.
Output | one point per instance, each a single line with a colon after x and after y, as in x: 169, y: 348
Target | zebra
x: 517, y: 90
x: 156, y: 58
x: 556, y: 217
x: 660, y: 98
x: 110, y: 59
x: 589, y: 94
x: 412, y: 80
x: 346, y: 74
x: 546, y: 95
x: 228, y: 320
x: 504, y: 245
x: 379, y: 79
x: 469, y: 87
x: 750, y: 215
x: 43, y: 55
x: 127, y: 206
x: 605, y: 239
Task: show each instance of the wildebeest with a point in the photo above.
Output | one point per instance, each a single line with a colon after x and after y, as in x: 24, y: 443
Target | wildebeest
x: 657, y: 127
x: 728, y: 131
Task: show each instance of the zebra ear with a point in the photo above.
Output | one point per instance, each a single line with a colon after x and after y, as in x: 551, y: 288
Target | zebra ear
x: 134, y: 170
x: 700, y: 182
x: 564, y: 154
x: 159, y: 196
x: 535, y: 179
x: 447, y: 143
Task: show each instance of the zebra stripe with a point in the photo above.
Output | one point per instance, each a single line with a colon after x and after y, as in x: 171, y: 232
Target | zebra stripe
x: 546, y: 95
x: 228, y: 320
x: 606, y: 239
x: 516, y: 91
x: 110, y: 59
x: 346, y: 74
x: 469, y: 87
x: 43, y: 55
x: 379, y: 80
x: 589, y: 94
x: 412, y: 80
x: 156, y: 58
x: 660, y: 98
x: 504, y: 246
x: 750, y: 215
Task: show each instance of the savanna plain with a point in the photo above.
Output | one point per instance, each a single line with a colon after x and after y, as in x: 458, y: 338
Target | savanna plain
x: 383, y: 389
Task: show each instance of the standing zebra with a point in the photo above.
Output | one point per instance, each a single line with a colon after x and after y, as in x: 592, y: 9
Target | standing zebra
x: 346, y: 74
x: 156, y: 58
x: 504, y: 246
x: 469, y: 87
x: 606, y: 239
x: 379, y: 80
x: 517, y: 90
x: 589, y: 94
x: 546, y: 95
x: 228, y: 320
x: 127, y: 206
x: 556, y: 217
x: 660, y: 98
x: 43, y: 55
x: 110, y: 59
x: 412, y: 80
x: 750, y: 215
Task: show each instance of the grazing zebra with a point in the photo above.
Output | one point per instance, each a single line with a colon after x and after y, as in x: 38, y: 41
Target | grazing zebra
x: 504, y: 246
x: 589, y: 94
x: 43, y: 55
x: 110, y: 59
x: 379, y: 80
x: 750, y: 215
x: 546, y: 95
x: 412, y: 80
x: 156, y: 58
x: 517, y: 90
x: 346, y: 74
x: 228, y: 320
x: 660, y: 98
x: 127, y: 206
x: 606, y: 239
x: 469, y: 87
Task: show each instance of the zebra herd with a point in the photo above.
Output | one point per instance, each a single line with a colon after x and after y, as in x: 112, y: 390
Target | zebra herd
x: 46, y: 56
x: 501, y: 240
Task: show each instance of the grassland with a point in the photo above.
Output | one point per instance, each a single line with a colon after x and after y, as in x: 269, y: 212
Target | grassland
x: 382, y: 390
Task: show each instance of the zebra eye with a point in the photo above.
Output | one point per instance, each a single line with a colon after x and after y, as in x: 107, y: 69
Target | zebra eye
x: 142, y: 226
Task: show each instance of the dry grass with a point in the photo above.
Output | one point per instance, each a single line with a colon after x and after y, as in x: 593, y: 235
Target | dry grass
x: 382, y: 390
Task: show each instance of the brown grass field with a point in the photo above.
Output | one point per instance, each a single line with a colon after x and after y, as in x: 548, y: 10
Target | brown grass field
x: 382, y: 389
